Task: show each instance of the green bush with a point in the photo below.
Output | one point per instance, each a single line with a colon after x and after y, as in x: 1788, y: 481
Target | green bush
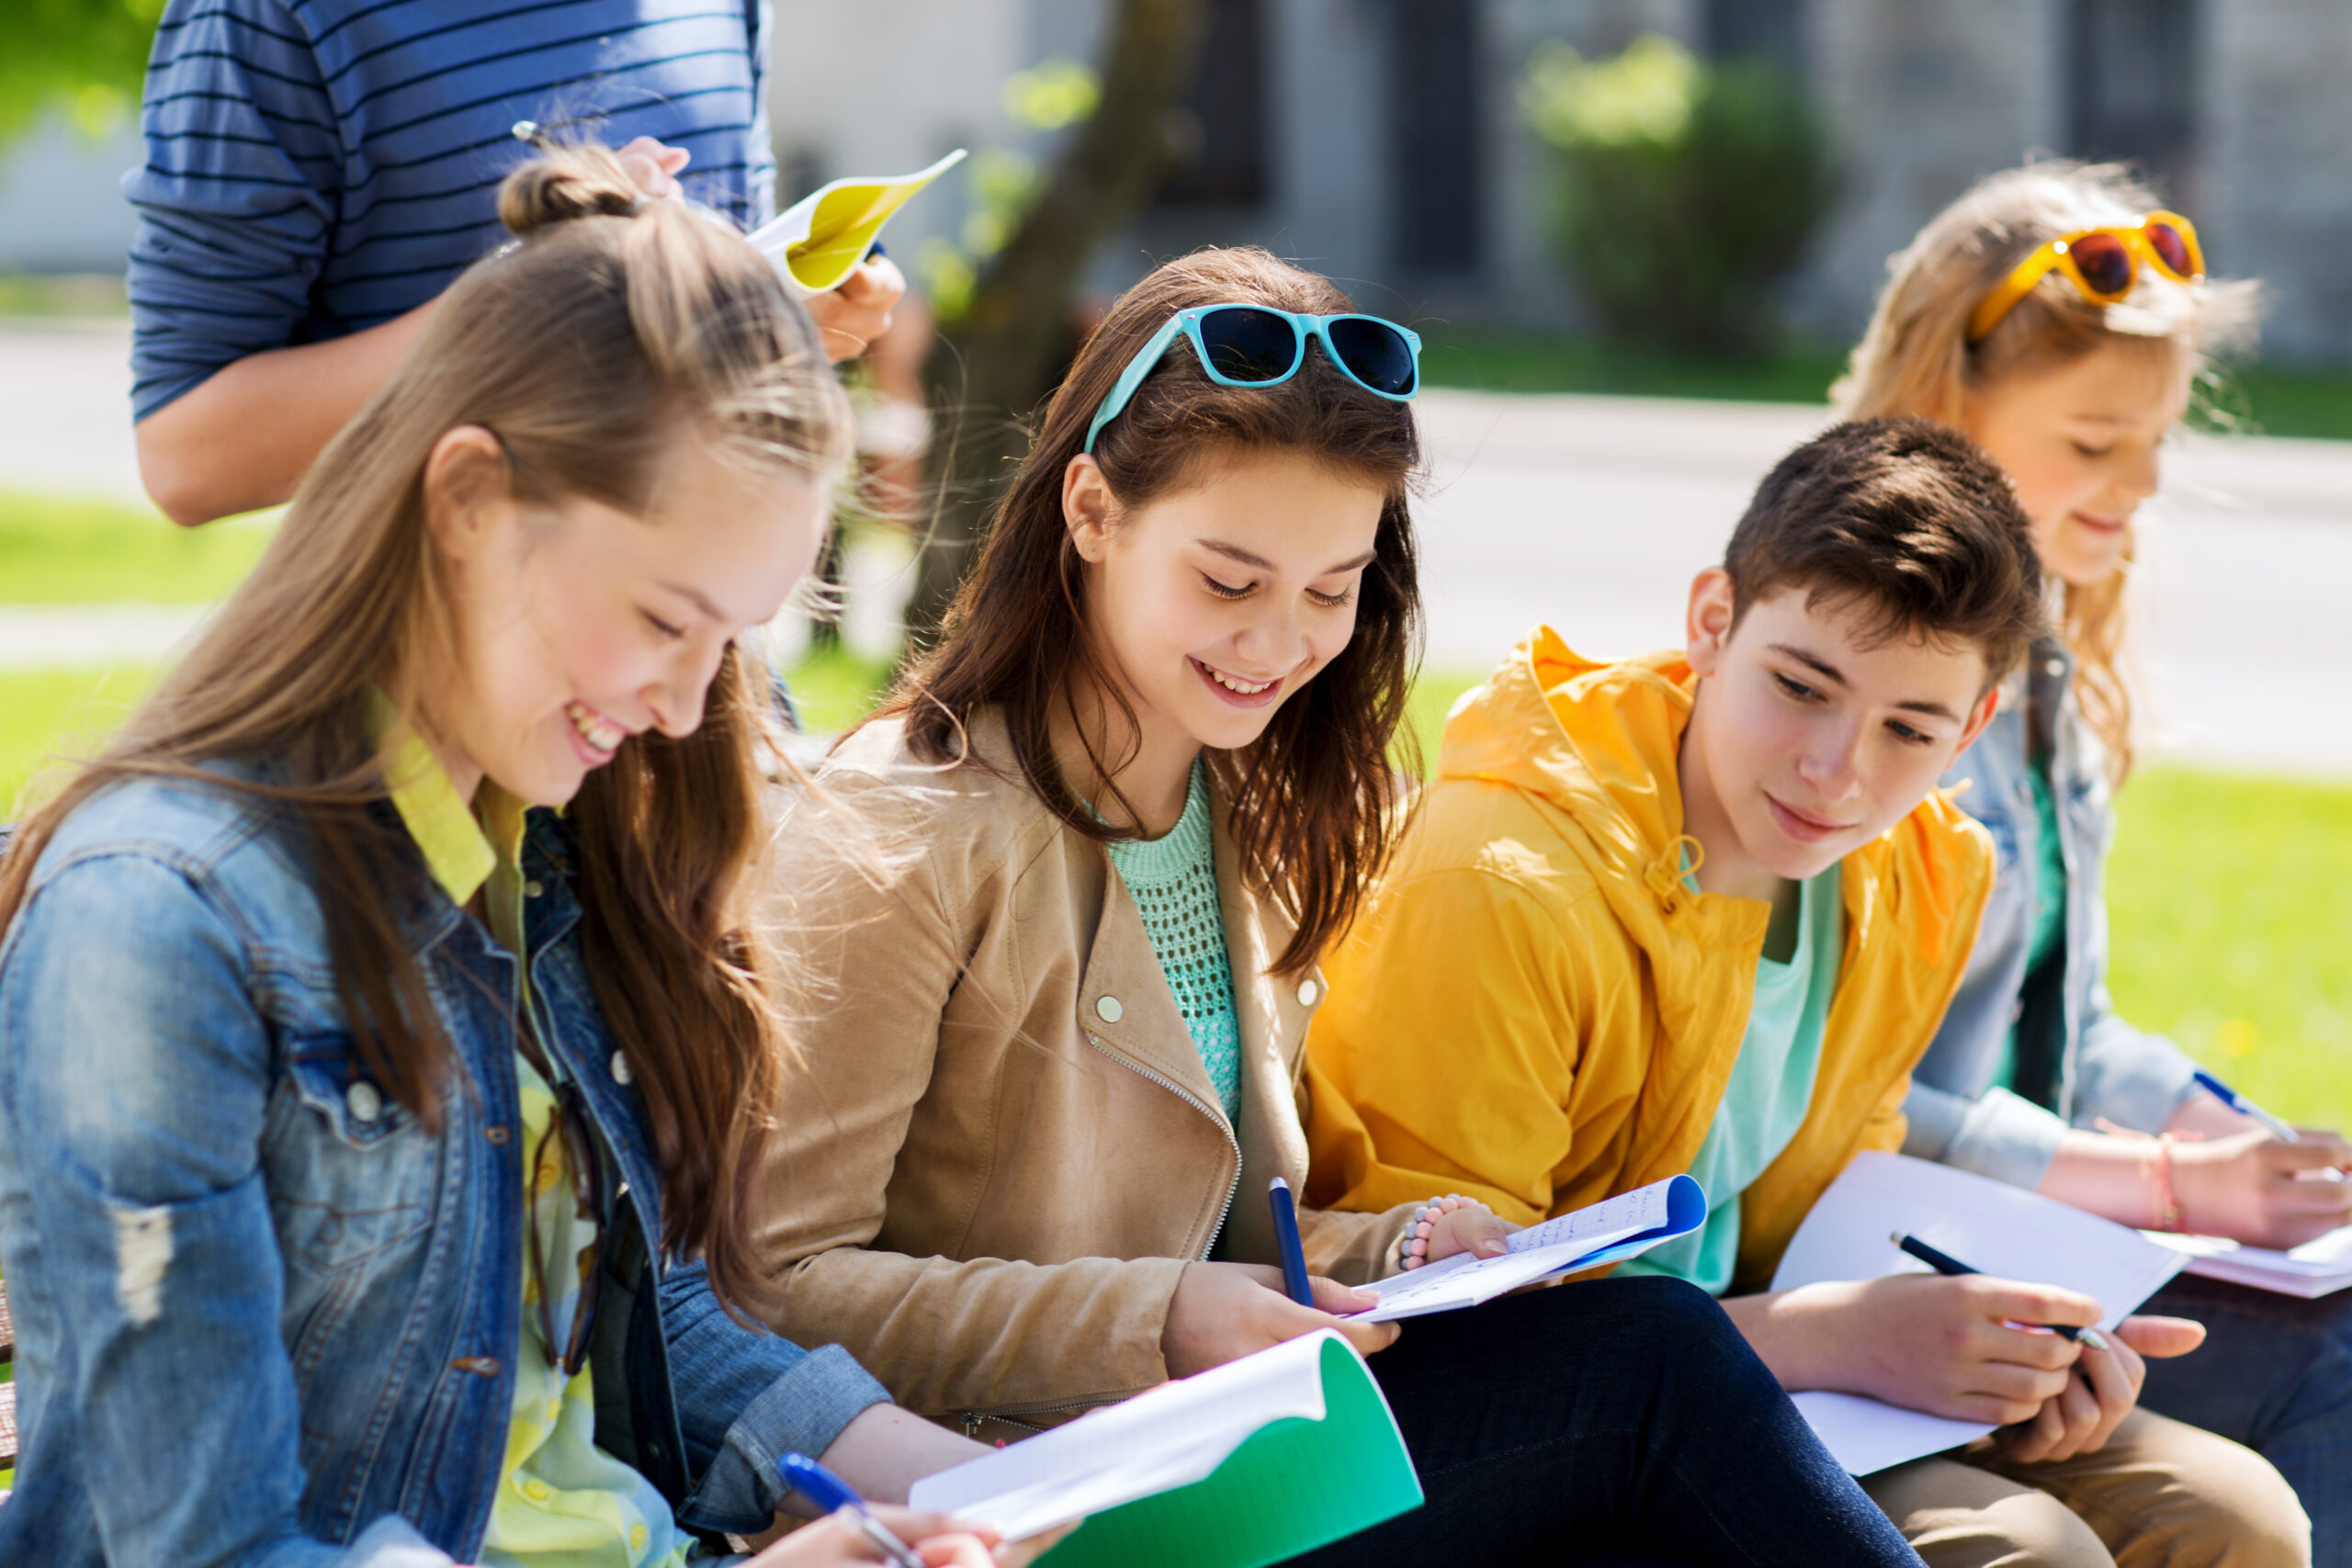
x: 1686, y: 190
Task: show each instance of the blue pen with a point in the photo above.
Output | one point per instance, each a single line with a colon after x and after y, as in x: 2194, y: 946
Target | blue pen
x: 1945, y: 1263
x: 2244, y: 1106
x: 1294, y: 1280
x: 831, y: 1494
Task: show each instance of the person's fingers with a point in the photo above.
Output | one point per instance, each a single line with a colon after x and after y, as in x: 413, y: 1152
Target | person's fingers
x: 2316, y: 1151
x: 1369, y: 1338
x: 2005, y: 1299
x: 954, y: 1552
x: 1990, y: 1409
x: 2161, y: 1337
x: 914, y: 1524
x: 2033, y: 1439
x: 877, y: 285
x: 2085, y: 1413
x: 1474, y: 1231
x: 1339, y: 1300
x: 2017, y: 1385
x: 845, y: 327
x: 2026, y: 1346
x: 2311, y: 1197
x: 652, y: 166
x: 1021, y: 1553
x: 2112, y: 1378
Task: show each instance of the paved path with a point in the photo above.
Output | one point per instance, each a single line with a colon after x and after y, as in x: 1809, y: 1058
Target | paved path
x: 1592, y: 513
x: 1587, y: 512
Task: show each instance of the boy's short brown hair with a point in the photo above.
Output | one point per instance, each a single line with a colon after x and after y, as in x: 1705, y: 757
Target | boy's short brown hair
x: 1904, y: 515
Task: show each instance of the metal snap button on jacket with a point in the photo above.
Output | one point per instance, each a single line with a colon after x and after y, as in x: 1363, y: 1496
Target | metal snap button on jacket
x: 364, y: 1099
x: 1306, y: 993
x: 1108, y: 1010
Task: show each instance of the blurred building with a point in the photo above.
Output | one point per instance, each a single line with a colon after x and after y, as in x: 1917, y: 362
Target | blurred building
x: 61, y: 199
x: 1380, y: 140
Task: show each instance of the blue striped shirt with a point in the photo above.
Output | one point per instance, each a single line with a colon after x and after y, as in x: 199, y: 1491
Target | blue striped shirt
x: 317, y: 167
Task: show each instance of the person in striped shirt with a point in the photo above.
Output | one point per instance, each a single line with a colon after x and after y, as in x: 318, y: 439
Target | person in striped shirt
x: 319, y: 170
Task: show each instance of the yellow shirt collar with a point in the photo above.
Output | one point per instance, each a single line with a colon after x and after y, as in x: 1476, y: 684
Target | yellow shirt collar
x: 459, y: 852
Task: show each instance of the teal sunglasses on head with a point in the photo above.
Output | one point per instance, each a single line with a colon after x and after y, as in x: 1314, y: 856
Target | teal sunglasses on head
x: 1257, y: 346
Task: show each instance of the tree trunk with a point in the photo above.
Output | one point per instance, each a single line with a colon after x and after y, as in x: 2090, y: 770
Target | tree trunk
x: 992, y: 368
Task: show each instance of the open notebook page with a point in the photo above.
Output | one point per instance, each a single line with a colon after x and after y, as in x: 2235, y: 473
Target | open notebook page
x: 1606, y: 1232
x: 2318, y: 1268
x: 1990, y: 1226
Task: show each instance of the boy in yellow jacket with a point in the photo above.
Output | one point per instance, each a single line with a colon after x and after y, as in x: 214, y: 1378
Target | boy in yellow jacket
x: 1702, y: 911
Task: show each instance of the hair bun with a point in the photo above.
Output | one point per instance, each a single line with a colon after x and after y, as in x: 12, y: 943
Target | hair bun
x: 565, y: 183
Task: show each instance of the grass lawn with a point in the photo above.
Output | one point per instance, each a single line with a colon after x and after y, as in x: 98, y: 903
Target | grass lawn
x: 2267, y: 401
x: 66, y: 552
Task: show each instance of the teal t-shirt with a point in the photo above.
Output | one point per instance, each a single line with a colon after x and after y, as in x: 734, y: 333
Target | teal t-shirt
x: 2048, y: 873
x: 1770, y: 1090
x: 1173, y: 882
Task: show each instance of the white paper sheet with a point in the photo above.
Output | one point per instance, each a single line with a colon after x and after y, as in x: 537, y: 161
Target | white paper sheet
x: 2002, y: 1230
x: 1175, y: 1435
x: 2318, y: 1268
x: 1604, y: 1232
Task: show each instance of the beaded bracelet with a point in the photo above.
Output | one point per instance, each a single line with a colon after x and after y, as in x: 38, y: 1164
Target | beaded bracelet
x: 1412, y: 1248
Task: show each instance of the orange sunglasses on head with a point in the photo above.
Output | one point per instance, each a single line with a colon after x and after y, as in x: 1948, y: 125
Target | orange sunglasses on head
x: 2103, y: 264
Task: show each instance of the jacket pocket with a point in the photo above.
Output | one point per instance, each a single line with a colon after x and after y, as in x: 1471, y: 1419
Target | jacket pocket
x: 351, y: 1172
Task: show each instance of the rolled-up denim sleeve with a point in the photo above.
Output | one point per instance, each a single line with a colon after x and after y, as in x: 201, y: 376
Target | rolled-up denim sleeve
x: 2126, y: 1074
x: 235, y: 197
x: 2000, y: 1134
x: 745, y: 1398
x: 135, y: 1075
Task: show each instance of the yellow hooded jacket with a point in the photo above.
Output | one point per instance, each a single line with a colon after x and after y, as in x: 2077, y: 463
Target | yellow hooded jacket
x: 1533, y: 1010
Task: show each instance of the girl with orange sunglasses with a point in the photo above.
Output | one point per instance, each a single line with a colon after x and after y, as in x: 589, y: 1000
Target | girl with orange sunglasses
x: 2059, y: 316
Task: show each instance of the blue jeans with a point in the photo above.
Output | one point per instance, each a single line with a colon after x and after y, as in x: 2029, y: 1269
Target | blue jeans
x: 2275, y: 1373
x: 1610, y: 1421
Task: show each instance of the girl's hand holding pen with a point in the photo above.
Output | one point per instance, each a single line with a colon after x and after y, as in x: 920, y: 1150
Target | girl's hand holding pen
x: 937, y: 1540
x: 2256, y: 1188
x: 1225, y: 1311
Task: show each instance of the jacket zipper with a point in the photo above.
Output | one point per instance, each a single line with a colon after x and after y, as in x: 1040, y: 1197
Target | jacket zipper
x: 972, y: 1419
x: 1194, y: 1100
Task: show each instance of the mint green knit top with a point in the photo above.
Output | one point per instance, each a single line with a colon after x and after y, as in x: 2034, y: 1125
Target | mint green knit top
x: 1173, y: 882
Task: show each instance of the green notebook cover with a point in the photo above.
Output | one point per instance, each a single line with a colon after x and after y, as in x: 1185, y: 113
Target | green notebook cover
x: 1293, y: 1485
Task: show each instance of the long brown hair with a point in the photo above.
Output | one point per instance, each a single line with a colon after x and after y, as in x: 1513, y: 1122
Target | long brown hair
x: 1310, y: 801
x: 1915, y: 358
x: 614, y: 329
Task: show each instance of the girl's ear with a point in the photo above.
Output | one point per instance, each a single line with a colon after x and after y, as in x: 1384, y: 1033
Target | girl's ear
x: 1085, y: 508
x: 466, y: 490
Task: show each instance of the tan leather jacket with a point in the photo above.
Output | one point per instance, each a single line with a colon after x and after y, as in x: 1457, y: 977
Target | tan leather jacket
x: 999, y: 1148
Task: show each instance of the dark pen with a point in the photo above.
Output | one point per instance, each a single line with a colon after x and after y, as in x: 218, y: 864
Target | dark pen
x: 1944, y: 1263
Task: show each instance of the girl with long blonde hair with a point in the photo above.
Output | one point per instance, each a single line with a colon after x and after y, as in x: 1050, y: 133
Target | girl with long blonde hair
x: 379, y: 1009
x: 2061, y: 316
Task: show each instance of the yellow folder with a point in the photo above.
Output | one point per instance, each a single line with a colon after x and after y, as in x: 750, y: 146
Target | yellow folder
x: 819, y: 241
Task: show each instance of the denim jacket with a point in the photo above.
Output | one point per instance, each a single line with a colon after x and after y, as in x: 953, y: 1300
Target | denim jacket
x: 264, y: 1316
x: 2076, y: 1061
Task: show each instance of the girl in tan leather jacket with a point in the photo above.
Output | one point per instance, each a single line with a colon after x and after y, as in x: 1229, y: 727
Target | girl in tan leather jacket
x: 1058, y: 909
